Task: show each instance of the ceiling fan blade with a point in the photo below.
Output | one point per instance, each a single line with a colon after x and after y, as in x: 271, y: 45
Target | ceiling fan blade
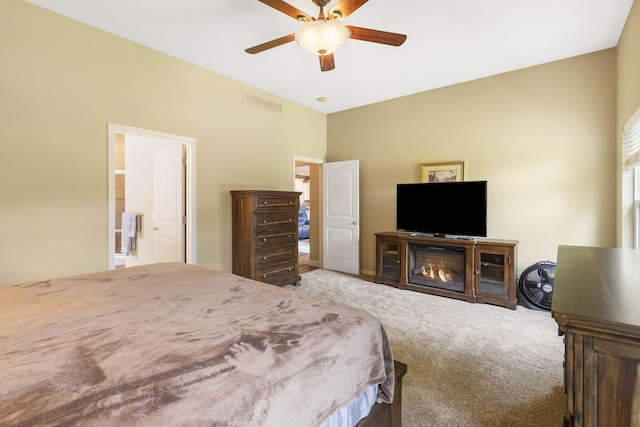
x: 376, y: 36
x: 273, y: 43
x: 344, y: 8
x: 327, y: 62
x: 287, y: 9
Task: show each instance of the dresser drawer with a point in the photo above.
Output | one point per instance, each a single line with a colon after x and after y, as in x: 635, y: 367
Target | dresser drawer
x: 268, y: 201
x: 282, y: 220
x: 278, y: 256
x: 269, y: 269
x: 274, y: 240
x: 283, y: 276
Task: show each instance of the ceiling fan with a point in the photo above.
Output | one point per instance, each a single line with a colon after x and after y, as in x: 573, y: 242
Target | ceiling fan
x: 324, y: 34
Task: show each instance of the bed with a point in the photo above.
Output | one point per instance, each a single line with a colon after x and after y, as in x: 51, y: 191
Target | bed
x: 178, y: 345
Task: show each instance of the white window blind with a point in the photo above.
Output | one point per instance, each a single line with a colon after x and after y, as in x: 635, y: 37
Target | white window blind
x: 636, y: 207
x: 631, y: 142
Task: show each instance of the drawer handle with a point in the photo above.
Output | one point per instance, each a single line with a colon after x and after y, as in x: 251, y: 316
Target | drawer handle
x: 289, y: 235
x: 290, y: 202
x: 264, y: 276
x: 264, y: 221
x: 264, y: 258
x: 265, y: 202
x: 290, y: 219
x: 290, y: 269
x: 289, y: 252
x: 264, y: 240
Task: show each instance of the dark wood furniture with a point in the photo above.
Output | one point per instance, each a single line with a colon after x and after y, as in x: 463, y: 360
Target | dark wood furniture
x: 388, y: 414
x: 489, y: 269
x: 596, y: 303
x: 265, y: 235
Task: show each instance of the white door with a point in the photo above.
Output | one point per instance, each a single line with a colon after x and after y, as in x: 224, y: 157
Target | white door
x: 168, y: 204
x: 341, y: 216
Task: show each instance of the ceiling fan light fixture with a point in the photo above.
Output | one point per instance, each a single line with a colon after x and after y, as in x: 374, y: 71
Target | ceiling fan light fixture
x: 321, y: 37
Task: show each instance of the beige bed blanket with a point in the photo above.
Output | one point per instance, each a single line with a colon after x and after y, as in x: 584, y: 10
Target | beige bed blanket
x: 177, y: 345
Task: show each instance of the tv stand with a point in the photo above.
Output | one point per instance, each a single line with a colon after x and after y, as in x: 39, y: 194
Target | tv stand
x: 475, y: 270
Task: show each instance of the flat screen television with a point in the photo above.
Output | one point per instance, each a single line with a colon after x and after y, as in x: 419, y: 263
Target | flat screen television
x: 443, y: 208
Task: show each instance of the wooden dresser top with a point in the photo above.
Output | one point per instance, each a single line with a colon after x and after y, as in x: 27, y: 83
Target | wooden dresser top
x: 599, y: 287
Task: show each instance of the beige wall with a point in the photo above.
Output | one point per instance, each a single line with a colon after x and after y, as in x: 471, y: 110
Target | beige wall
x: 63, y: 82
x: 628, y: 81
x: 543, y: 138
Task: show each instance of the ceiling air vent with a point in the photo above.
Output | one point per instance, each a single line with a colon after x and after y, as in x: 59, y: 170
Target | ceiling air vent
x: 263, y: 104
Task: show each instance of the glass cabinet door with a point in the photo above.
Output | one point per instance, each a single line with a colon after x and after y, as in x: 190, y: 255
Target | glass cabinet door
x: 390, y: 259
x: 492, y: 270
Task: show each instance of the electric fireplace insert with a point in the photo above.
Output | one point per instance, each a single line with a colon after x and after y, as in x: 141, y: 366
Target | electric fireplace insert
x: 440, y: 267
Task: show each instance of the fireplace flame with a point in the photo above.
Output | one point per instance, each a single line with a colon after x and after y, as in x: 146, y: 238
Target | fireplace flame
x: 436, y: 272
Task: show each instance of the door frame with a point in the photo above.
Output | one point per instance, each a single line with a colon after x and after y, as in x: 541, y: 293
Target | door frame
x: 316, y: 208
x: 190, y: 184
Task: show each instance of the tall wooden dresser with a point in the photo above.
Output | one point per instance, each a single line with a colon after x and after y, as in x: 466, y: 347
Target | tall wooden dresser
x: 265, y: 235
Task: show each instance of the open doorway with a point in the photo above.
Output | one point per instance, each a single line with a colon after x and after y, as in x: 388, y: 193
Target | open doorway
x: 303, y: 185
x: 150, y: 216
x: 307, y: 180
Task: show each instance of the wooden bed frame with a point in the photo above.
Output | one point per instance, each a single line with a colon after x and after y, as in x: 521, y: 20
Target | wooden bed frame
x: 388, y: 414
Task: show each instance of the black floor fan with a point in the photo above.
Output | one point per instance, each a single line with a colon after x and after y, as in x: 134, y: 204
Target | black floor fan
x: 535, y: 289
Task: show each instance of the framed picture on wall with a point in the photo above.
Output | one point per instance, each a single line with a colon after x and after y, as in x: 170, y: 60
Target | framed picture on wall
x: 442, y: 172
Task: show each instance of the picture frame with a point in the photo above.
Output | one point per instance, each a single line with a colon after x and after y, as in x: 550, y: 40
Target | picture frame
x: 442, y: 172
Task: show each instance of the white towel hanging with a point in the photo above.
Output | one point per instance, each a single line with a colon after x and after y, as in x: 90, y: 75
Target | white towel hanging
x: 129, y: 231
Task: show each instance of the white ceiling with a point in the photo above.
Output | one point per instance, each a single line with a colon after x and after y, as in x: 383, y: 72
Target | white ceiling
x: 448, y: 41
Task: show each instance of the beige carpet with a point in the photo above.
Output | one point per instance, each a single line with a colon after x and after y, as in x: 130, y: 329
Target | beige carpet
x: 469, y: 364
